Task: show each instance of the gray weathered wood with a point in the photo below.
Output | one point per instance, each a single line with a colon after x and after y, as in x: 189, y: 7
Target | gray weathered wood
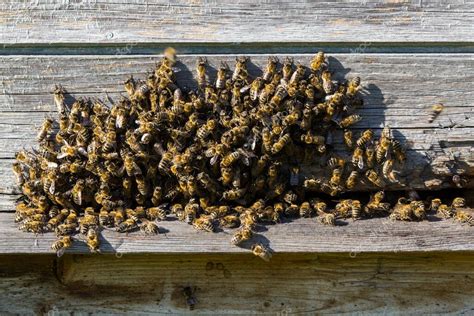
x: 399, y: 91
x: 302, y: 235
x: 100, y: 21
x: 302, y: 284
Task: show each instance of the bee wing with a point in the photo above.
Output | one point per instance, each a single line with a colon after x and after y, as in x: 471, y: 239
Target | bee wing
x: 214, y: 160
x: 52, y: 187
x: 360, y: 163
x: 60, y: 252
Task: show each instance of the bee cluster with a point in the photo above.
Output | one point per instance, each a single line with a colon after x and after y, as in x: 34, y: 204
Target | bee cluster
x: 227, y: 154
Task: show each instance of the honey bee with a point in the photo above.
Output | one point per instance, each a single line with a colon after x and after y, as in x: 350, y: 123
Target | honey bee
x: 261, y: 251
x: 348, y: 139
x: 62, y: 244
x: 445, y: 211
x: 150, y: 228
x: 336, y: 177
x: 398, y: 151
x: 356, y: 208
x: 287, y: 68
x: 344, y: 208
x: 201, y: 72
x: 305, y: 209
x: 189, y: 296
x: 156, y: 213
x: 376, y: 206
x: 243, y: 234
x: 402, y: 212
x: 229, y: 221
x: 230, y: 159
x: 92, y: 240
x: 352, y: 180
x: 45, y: 129
x: 327, y: 219
x: 318, y: 62
x: 383, y: 149
x: 458, y: 202
x: 374, y: 178
x: 464, y: 217
x: 435, y: 204
x: 77, y: 191
x: 365, y: 138
x: 240, y: 71
x: 164, y: 166
x: 270, y: 68
x: 358, y: 158
x: 222, y: 75
x: 127, y: 225
x: 345, y: 123
x: 435, y: 111
x: 233, y: 194
x: 59, y: 99
x: 328, y: 84
x: 280, y: 144
x: 353, y: 87
x: 418, y: 209
x: 203, y: 223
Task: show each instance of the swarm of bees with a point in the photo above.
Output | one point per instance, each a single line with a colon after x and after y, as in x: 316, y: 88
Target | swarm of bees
x: 227, y: 154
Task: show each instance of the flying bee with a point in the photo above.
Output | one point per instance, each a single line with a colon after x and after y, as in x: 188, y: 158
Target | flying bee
x: 150, y: 228
x: 352, y: 180
x: 45, y: 129
x: 358, y: 158
x: 365, y: 138
x: 458, y: 202
x: 336, y: 162
x: 464, y: 217
x: 62, y: 244
x: 435, y: 111
x: 280, y: 144
x: 261, y: 251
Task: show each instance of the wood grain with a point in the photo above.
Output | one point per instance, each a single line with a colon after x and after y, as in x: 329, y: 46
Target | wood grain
x: 399, y: 90
x: 101, y: 21
x: 298, y: 236
x: 307, y: 284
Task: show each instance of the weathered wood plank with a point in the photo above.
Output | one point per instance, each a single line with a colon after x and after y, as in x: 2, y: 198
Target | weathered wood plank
x: 302, y: 235
x: 101, y: 21
x: 399, y: 91
x: 238, y: 284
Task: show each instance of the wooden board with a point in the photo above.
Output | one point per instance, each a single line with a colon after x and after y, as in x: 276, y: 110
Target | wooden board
x: 298, y: 236
x: 100, y: 21
x: 399, y: 91
x: 302, y: 284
